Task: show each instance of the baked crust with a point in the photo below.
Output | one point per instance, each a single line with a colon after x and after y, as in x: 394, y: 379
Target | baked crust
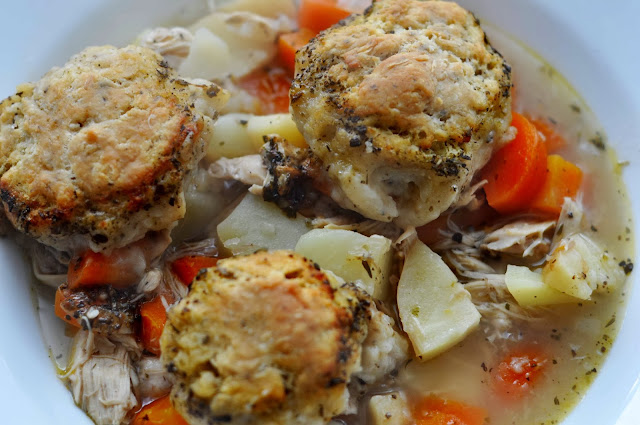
x: 94, y: 154
x: 264, y: 338
x: 402, y: 104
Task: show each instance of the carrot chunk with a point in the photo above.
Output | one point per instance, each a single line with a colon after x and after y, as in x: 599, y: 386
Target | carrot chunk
x: 271, y: 87
x: 159, y: 412
x: 563, y: 179
x: 62, y: 294
x: 153, y: 317
x: 318, y: 15
x: 517, y: 171
x: 518, y: 372
x: 552, y: 138
x: 437, y: 411
x: 290, y: 43
x: 187, y: 268
x: 121, y: 268
x: 90, y: 269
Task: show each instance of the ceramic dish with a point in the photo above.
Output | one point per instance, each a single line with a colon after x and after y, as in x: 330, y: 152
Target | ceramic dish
x: 591, y: 43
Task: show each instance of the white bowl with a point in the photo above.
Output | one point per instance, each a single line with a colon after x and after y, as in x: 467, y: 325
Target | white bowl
x: 594, y: 44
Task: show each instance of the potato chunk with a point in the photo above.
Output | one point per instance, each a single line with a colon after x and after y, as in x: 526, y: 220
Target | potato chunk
x: 230, y: 138
x: 389, y: 409
x: 435, y: 309
x: 365, y: 261
x: 238, y: 134
x: 578, y: 266
x: 528, y: 288
x: 256, y: 224
x: 280, y: 124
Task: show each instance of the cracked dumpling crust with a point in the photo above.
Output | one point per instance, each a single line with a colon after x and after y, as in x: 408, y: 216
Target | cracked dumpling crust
x: 94, y: 154
x: 265, y: 338
x: 402, y: 104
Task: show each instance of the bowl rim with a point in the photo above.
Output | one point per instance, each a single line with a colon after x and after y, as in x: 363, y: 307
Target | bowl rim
x: 26, y: 372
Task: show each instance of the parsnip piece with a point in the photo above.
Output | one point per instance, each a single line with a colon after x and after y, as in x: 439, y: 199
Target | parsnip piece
x: 389, y: 409
x: 435, y: 309
x: 280, y: 124
x: 256, y: 224
x: 209, y: 56
x: 365, y: 261
x: 578, y: 266
x: 230, y: 138
x: 528, y: 288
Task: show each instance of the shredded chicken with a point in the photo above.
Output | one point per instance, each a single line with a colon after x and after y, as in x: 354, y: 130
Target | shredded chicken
x: 521, y: 238
x: 150, y: 281
x: 383, y: 350
x: 461, y: 251
x: 471, y: 197
x: 248, y: 169
x: 466, y: 251
x: 498, y: 307
x: 172, y: 43
x: 155, y: 381
x: 177, y: 288
x: 572, y: 220
x: 469, y: 254
x: 101, y: 377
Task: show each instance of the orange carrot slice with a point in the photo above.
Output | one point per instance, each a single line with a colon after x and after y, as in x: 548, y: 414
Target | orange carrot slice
x: 437, y: 411
x: 517, y: 171
x: 159, y: 412
x: 318, y: 15
x: 552, y: 138
x: 187, y: 268
x: 153, y: 317
x: 271, y: 87
x: 518, y: 373
x: 563, y: 179
x: 290, y: 43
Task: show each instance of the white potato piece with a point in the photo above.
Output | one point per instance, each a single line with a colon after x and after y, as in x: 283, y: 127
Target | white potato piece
x: 435, y: 309
x: 209, y: 56
x: 528, y: 288
x: 250, y: 39
x: 389, y: 409
x: 280, y: 124
x: 578, y: 266
x: 256, y: 224
x: 365, y: 261
x: 237, y: 134
x: 230, y: 138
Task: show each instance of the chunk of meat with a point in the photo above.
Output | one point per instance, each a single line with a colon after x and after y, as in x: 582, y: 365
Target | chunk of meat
x: 521, y: 238
x: 172, y: 43
x: 101, y: 377
x: 247, y: 169
x: 384, y: 349
x: 154, y: 380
